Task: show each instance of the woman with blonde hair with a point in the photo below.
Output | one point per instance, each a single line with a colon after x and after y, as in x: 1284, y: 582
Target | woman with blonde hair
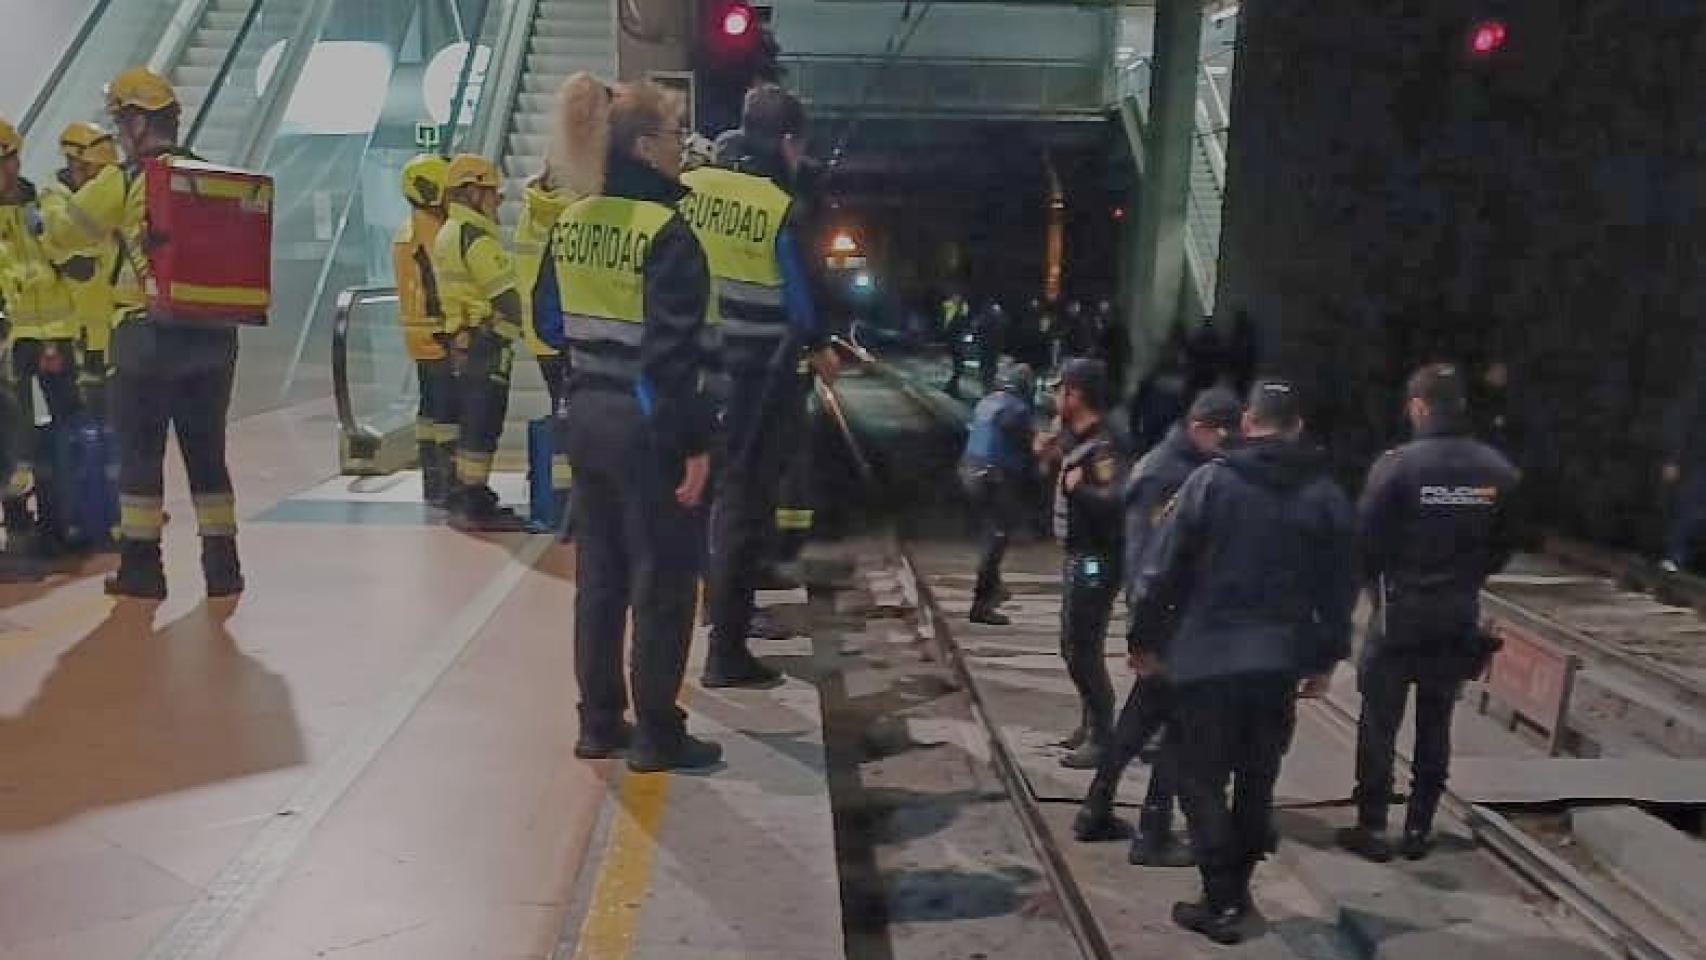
x: 634, y: 288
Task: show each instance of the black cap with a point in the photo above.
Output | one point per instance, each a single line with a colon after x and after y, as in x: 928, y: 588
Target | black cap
x: 1088, y: 377
x: 1441, y: 387
x: 1274, y: 403
x: 1216, y: 407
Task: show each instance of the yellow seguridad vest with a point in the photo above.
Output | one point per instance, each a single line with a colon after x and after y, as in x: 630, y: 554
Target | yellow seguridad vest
x: 38, y: 302
x: 420, y: 307
x: 599, y: 247
x: 540, y: 210
x: 737, y: 218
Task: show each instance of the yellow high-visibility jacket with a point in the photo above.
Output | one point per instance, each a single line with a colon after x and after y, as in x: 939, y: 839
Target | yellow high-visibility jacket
x: 37, y: 300
x: 85, y: 266
x: 420, y: 306
x: 539, y: 212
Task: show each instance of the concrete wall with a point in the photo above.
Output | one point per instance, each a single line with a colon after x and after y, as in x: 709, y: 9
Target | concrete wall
x: 36, y: 36
x: 1375, y: 219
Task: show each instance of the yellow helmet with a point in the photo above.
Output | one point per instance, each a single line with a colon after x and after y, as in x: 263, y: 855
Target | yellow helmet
x: 10, y: 142
x: 89, y: 143
x: 471, y: 170
x: 423, y: 179
x: 140, y: 88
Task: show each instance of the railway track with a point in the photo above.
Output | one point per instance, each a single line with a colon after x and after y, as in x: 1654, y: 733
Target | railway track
x: 1531, y: 600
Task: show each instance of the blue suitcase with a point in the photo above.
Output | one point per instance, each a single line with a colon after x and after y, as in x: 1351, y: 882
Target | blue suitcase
x: 543, y: 509
x: 77, y: 482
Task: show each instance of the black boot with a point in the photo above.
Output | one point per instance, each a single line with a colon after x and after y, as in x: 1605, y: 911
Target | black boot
x: 1416, y: 845
x: 674, y: 750
x: 605, y: 741
x: 984, y: 612
x: 1156, y: 845
x: 733, y: 665
x: 1221, y: 913
x: 1366, y: 842
x: 476, y: 510
x: 435, y: 477
x: 21, y: 540
x: 140, y: 574
x: 1095, y: 821
x: 219, y: 564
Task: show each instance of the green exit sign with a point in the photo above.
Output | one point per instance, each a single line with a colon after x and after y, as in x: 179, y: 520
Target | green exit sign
x: 429, y: 136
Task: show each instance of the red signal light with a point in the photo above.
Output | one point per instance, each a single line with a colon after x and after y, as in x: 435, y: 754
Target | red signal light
x: 737, y: 21
x: 1488, y: 37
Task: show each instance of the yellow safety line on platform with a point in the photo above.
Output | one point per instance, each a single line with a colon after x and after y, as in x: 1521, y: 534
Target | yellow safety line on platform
x: 607, y: 933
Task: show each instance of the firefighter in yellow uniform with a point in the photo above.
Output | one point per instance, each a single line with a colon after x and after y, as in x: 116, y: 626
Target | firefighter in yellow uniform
x: 420, y: 308
x: 542, y: 204
x: 164, y: 378
x: 87, y: 268
x: 483, y: 311
x: 43, y: 334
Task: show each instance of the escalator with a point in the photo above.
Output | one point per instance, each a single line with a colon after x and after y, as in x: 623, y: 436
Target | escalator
x: 510, y: 88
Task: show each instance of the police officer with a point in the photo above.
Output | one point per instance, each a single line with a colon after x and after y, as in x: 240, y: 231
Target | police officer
x: 420, y: 308
x: 543, y: 201
x: 634, y: 287
x: 483, y: 311
x: 43, y: 328
x: 1087, y: 522
x: 994, y: 469
x: 1195, y: 440
x: 1436, y: 521
x: 772, y: 341
x: 164, y: 377
x: 1255, y: 565
x: 87, y: 270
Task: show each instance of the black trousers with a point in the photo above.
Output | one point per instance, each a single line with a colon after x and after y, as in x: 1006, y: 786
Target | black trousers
x: 1148, y: 709
x: 483, y: 395
x: 1233, y: 731
x: 177, y: 379
x: 761, y: 426
x: 1089, y: 583
x: 1385, y: 681
x: 58, y: 387
x: 555, y: 371
x: 436, y: 425
x: 995, y: 501
x: 639, y: 554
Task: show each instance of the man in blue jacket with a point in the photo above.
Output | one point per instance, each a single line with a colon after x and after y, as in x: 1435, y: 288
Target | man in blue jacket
x: 1436, y: 522
x: 993, y: 470
x: 1195, y: 440
x: 1255, y: 563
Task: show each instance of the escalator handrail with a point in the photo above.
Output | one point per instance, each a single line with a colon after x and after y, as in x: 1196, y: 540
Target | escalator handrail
x: 78, y: 41
x: 348, y: 299
x: 225, y: 66
x: 177, y: 35
x: 466, y: 71
x: 491, y: 119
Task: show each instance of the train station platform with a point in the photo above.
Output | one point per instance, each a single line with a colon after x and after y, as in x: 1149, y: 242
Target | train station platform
x: 369, y: 755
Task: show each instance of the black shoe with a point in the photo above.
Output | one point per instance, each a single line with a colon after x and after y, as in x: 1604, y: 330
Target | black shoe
x: 1416, y: 845
x: 988, y: 615
x: 604, y: 745
x: 1001, y: 593
x: 765, y: 626
x: 1223, y: 925
x: 770, y: 578
x: 1369, y: 844
x: 681, y: 751
x: 140, y: 574
x: 477, y: 510
x: 1087, y: 756
x: 22, y: 569
x: 1074, y: 740
x: 1094, y: 825
x: 1161, y: 849
x: 220, y: 565
x: 739, y: 670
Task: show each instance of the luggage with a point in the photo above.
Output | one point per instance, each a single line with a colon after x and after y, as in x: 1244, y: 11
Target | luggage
x: 544, y: 508
x: 210, y: 243
x: 77, y: 483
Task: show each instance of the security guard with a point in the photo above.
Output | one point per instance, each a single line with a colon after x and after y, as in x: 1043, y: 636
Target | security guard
x: 420, y: 309
x: 483, y: 311
x: 635, y: 289
x: 1087, y: 522
x: 87, y: 270
x: 1436, y: 521
x: 43, y: 327
x: 163, y: 377
x: 772, y: 340
x: 542, y: 204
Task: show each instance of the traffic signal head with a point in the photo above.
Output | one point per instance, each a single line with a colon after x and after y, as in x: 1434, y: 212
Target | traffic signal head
x: 1487, y: 37
x: 736, y: 21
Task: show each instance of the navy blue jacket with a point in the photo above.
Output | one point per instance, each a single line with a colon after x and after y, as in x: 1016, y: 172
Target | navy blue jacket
x: 1000, y: 435
x: 1155, y: 479
x: 1436, y: 521
x: 1257, y: 559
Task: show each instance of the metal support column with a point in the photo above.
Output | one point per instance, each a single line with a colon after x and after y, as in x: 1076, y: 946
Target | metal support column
x: 1156, y: 261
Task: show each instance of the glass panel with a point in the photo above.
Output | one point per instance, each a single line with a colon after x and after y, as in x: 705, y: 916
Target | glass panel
x: 126, y: 35
x: 384, y: 392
